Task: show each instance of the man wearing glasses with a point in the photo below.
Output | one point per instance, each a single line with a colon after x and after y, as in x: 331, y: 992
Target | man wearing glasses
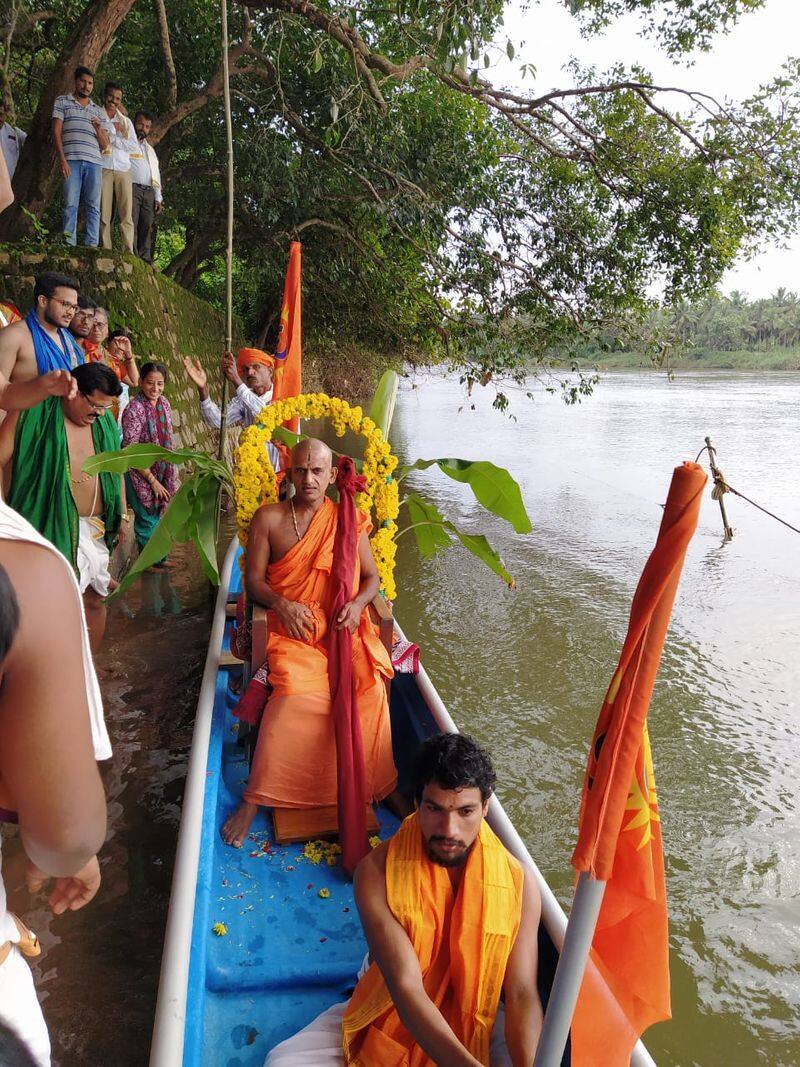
x: 81, y: 514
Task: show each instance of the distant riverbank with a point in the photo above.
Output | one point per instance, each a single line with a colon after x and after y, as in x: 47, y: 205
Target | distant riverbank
x: 700, y: 359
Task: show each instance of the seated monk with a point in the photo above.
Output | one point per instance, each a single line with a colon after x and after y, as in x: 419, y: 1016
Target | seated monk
x: 451, y: 920
x: 288, y: 570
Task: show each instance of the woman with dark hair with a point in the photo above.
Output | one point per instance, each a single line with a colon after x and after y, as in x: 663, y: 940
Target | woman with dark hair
x: 148, y: 420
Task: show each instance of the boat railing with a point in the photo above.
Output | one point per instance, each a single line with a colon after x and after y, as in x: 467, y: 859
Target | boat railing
x: 170, y: 1018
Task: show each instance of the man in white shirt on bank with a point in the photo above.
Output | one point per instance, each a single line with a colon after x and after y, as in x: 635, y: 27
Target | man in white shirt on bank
x: 116, y: 163
x: 251, y: 396
x: 146, y: 182
x: 12, y: 138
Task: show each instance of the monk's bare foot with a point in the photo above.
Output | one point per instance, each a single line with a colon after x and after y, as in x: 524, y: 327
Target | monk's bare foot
x: 398, y: 804
x: 236, y: 826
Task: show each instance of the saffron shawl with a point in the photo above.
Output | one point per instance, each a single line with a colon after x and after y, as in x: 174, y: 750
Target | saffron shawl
x: 485, y: 918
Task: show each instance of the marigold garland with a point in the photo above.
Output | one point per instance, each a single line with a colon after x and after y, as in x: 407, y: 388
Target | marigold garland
x: 256, y: 484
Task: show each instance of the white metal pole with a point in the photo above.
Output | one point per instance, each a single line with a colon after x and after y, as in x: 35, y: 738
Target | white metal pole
x: 570, y: 971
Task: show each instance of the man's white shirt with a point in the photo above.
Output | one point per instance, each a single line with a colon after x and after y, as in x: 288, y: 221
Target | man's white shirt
x: 243, y: 409
x: 11, y: 141
x: 119, y: 158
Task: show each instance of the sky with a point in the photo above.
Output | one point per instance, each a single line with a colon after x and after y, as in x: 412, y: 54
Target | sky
x: 546, y: 35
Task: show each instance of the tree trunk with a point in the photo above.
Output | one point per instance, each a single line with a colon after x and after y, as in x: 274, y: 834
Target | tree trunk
x: 37, y: 172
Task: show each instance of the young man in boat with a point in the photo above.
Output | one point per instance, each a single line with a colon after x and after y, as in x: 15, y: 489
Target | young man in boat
x: 79, y: 513
x: 250, y: 373
x: 289, y: 571
x: 451, y: 920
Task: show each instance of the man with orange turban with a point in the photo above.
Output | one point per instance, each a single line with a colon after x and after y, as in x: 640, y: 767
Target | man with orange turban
x: 250, y: 374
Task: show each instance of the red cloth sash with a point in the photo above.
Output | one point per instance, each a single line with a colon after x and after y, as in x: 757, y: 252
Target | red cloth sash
x: 351, y: 777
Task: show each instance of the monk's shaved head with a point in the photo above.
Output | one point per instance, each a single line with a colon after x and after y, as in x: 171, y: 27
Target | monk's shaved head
x: 314, y: 450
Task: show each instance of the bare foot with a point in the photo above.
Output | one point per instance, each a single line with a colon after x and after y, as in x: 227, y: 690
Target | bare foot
x: 236, y: 826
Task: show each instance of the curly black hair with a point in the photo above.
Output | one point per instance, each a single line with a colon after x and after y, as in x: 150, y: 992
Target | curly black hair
x: 453, y: 761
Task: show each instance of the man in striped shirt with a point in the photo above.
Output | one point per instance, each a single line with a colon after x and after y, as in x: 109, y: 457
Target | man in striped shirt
x: 81, y: 135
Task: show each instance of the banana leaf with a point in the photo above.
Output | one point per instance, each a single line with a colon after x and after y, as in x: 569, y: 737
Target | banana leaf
x: 493, y: 487
x: 175, y: 525
x: 141, y: 457
x: 382, y: 408
x: 433, y: 533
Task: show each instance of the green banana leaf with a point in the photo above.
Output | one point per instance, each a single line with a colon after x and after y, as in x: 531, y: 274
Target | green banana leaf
x: 382, y: 408
x: 433, y: 532
x: 427, y: 524
x: 175, y: 525
x: 141, y: 457
x: 493, y: 487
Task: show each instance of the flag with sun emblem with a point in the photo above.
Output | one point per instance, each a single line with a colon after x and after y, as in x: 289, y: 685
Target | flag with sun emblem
x: 619, y: 831
x: 288, y: 351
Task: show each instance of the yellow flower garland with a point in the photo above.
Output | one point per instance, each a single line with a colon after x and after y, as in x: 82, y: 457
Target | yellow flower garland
x: 256, y: 484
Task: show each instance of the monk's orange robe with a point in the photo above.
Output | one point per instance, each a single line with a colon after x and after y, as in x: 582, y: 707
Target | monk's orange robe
x: 462, y: 941
x: 294, y: 765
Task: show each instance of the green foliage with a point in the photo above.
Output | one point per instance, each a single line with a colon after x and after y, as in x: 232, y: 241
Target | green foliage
x: 493, y: 487
x: 382, y: 408
x: 440, y: 218
x: 433, y: 533
x: 191, y: 514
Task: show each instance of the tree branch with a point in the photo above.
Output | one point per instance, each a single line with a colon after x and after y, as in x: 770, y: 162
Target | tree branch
x: 166, y: 48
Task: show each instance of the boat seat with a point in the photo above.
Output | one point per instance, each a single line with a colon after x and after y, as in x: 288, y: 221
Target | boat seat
x: 306, y: 824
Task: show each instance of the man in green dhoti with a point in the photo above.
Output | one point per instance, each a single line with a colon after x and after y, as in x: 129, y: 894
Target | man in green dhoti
x: 79, y: 513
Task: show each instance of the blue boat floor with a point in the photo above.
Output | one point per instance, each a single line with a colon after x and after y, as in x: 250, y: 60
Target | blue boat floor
x: 286, y: 953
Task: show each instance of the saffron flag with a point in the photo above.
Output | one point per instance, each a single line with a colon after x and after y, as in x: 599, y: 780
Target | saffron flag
x: 288, y: 351
x: 619, y: 832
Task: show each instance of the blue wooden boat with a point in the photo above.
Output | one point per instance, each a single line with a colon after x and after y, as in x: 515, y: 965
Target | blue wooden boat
x: 281, y: 953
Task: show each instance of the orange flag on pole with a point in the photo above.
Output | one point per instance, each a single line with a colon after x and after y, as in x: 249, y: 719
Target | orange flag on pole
x: 289, y: 349
x: 619, y: 833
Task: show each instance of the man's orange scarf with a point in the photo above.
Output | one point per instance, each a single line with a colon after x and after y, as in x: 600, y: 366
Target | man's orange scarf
x: 484, y: 921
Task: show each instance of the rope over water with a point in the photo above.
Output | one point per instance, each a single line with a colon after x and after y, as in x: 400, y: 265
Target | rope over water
x: 721, y: 487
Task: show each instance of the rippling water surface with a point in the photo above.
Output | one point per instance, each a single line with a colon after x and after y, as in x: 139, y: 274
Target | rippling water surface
x: 526, y: 671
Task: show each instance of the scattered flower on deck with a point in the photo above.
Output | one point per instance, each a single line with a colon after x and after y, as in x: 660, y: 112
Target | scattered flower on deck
x: 324, y: 893
x: 220, y: 929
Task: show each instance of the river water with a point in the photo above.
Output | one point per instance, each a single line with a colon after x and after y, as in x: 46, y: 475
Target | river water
x: 525, y: 672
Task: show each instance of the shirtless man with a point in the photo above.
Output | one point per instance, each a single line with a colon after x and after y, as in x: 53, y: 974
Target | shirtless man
x: 41, y: 343
x: 49, y: 445
x: 48, y: 773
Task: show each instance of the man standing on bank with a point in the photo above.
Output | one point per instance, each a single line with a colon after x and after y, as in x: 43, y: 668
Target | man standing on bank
x: 117, y: 169
x: 146, y: 182
x: 81, y: 138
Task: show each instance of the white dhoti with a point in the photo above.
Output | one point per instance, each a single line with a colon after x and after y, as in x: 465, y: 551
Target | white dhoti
x: 93, y: 558
x: 320, y: 1043
x: 20, y: 1010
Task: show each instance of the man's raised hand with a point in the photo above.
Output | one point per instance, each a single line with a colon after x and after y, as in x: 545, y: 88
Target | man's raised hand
x: 59, y: 383
x: 230, y: 370
x: 195, y: 372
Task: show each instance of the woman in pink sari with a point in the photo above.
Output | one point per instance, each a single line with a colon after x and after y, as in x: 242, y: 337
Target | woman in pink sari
x: 148, y: 420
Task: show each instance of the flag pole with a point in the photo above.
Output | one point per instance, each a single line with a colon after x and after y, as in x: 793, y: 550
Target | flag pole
x: 226, y: 94
x: 570, y: 970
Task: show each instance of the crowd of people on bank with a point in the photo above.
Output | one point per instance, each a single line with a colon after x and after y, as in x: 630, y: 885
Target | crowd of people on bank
x: 110, y: 171
x: 450, y: 917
